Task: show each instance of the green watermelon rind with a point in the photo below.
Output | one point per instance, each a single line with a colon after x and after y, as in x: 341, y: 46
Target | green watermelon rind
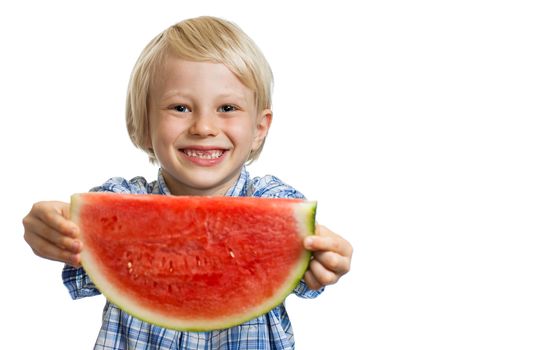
x: 306, y: 212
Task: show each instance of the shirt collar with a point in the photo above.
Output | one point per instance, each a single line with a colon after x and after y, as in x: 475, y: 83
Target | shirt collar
x: 240, y: 188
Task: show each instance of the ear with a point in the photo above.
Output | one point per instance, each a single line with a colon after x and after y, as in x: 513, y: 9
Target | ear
x: 263, y: 124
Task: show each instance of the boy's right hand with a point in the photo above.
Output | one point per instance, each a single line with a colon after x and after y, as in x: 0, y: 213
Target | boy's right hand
x: 50, y: 233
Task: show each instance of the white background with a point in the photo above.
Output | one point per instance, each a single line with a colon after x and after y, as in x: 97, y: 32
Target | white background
x: 417, y: 125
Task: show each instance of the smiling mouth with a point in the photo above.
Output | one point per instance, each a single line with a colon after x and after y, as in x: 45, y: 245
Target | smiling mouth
x: 203, y: 154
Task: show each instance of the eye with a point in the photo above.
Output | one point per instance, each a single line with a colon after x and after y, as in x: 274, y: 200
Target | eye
x: 228, y: 108
x: 181, y: 108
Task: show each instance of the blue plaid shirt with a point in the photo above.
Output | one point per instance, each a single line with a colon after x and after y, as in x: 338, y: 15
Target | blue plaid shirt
x: 122, y: 331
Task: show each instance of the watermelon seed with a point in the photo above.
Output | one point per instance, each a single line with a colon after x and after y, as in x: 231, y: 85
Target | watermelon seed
x: 232, y: 253
x: 129, y: 265
x: 171, y: 266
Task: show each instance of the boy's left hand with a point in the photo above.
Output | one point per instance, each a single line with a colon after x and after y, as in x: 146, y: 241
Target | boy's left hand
x: 331, y: 258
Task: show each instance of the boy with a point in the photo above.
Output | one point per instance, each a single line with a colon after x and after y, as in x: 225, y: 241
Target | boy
x: 198, y: 103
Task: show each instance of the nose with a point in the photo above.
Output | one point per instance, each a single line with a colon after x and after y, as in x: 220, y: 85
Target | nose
x: 204, y: 124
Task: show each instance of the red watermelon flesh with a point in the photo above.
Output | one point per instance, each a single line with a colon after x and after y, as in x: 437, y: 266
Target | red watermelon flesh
x: 193, y: 263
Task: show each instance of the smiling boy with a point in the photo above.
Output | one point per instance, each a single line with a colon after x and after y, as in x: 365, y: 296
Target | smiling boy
x: 199, y: 104
x: 204, y: 125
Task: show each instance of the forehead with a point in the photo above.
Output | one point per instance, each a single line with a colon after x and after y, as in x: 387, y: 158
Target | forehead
x: 190, y: 77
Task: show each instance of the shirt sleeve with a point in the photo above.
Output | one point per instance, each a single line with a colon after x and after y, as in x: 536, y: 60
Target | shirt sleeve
x: 76, y: 280
x: 271, y: 187
x: 303, y: 291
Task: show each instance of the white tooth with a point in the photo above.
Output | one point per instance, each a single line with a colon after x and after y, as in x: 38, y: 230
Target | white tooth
x: 203, y: 154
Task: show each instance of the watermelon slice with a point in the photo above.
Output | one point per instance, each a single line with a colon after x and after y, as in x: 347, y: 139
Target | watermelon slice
x: 193, y: 263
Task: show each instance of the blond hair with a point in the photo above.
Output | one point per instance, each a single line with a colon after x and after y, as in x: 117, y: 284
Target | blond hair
x: 202, y: 39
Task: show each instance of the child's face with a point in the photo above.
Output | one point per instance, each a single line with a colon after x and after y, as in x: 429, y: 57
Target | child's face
x: 203, y: 125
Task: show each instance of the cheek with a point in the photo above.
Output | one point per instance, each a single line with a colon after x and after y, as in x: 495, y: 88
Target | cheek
x: 241, y: 131
x: 165, y: 130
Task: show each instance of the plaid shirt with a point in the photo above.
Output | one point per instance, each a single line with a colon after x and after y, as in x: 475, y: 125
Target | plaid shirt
x: 122, y: 331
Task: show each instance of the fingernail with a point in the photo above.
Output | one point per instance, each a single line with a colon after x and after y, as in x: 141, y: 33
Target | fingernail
x: 309, y: 241
x: 76, y: 246
x: 74, y: 260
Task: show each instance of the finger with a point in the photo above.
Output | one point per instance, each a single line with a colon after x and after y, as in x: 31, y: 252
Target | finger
x: 46, y: 249
x: 311, y: 281
x: 322, y: 275
x: 328, y: 243
x: 333, y: 262
x: 34, y: 226
x: 326, y: 239
x: 55, y: 215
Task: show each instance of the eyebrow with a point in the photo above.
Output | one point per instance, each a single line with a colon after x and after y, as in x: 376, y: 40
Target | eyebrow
x: 231, y: 95
x: 172, y: 93
x: 225, y: 95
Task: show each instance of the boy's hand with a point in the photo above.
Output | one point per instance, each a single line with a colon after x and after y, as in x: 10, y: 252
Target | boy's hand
x: 331, y: 258
x: 50, y: 234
